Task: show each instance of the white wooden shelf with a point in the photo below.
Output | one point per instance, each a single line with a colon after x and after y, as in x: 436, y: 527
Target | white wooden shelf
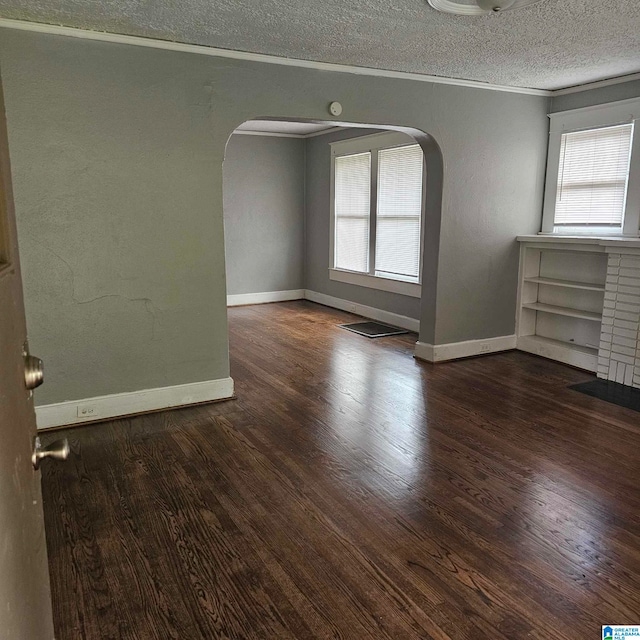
x: 550, y: 342
x: 569, y: 284
x: 568, y: 352
x: 563, y: 311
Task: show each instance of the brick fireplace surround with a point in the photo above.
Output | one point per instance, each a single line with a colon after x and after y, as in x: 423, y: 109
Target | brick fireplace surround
x: 619, y: 352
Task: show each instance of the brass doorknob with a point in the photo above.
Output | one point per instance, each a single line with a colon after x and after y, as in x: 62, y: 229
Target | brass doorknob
x: 58, y: 450
x: 33, y: 371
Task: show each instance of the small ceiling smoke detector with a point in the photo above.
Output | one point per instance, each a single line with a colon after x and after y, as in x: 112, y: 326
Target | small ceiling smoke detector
x: 335, y: 108
x: 478, y: 7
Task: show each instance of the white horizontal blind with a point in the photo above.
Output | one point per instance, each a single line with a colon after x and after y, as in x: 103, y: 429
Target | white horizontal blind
x: 399, y: 211
x: 592, y: 176
x: 352, y: 182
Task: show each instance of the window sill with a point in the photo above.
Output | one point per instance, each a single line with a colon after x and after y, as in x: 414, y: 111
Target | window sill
x: 600, y: 232
x: 628, y: 242
x: 412, y: 289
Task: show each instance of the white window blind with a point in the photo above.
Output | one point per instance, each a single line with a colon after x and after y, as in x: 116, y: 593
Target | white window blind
x: 399, y: 212
x: 593, y: 176
x: 352, y: 182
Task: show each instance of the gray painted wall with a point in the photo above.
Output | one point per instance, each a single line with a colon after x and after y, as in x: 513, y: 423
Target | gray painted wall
x: 317, y: 211
x: 602, y: 95
x: 491, y: 194
x: 264, y: 213
x: 117, y: 158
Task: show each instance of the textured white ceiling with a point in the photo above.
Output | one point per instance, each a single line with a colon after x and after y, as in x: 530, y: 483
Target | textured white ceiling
x: 277, y: 126
x: 549, y: 45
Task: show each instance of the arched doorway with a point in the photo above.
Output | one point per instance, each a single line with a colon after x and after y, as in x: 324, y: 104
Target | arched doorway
x: 310, y: 132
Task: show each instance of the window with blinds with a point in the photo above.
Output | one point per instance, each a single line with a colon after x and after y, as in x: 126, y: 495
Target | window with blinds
x: 352, y: 190
x: 399, y: 212
x: 593, y: 177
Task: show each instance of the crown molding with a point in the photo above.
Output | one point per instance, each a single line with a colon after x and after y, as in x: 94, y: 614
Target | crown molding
x: 137, y: 41
x: 596, y: 85
x: 168, y: 45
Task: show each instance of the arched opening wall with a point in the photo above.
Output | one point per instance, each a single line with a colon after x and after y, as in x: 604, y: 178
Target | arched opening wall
x: 117, y: 155
x: 277, y: 186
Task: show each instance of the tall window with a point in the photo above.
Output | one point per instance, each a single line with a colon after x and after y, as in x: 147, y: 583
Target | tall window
x: 592, y: 180
x: 377, y: 209
x: 399, y: 212
x: 353, y: 211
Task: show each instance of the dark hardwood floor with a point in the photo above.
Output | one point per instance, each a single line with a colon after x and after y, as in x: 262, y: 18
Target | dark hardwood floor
x: 352, y: 492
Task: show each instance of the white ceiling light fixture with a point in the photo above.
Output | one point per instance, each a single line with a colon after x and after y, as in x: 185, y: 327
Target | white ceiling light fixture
x: 479, y: 7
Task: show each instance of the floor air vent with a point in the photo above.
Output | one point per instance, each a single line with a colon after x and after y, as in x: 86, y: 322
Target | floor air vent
x: 373, y: 329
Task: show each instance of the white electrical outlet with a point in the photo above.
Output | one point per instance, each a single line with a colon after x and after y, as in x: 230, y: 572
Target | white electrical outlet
x: 87, y: 411
x: 484, y: 348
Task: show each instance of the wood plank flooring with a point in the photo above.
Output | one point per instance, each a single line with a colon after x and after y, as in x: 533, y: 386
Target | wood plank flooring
x: 351, y: 492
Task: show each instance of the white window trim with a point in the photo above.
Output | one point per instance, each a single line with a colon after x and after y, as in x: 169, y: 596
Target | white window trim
x: 362, y: 144
x: 622, y: 112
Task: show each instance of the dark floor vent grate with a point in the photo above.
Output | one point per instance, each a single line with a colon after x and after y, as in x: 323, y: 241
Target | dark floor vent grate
x: 373, y: 329
x: 620, y: 394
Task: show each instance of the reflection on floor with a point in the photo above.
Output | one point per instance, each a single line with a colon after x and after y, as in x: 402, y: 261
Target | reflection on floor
x: 352, y: 492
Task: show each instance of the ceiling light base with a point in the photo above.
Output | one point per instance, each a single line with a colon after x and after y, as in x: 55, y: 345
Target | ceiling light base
x: 483, y: 8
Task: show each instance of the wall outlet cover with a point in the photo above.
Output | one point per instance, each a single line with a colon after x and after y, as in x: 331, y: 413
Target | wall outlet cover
x: 87, y: 411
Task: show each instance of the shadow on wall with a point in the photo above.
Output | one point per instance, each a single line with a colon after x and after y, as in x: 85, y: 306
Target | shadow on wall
x: 434, y: 165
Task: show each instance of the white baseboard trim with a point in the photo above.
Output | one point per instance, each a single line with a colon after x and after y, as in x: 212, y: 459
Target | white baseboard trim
x: 404, y: 322
x: 424, y: 351
x: 121, y: 404
x: 240, y: 299
x: 456, y: 350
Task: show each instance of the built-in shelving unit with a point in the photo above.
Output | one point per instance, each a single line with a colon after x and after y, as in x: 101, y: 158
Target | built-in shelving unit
x: 560, y: 301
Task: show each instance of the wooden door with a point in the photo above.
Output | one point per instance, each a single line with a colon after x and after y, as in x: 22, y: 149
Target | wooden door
x: 25, y: 601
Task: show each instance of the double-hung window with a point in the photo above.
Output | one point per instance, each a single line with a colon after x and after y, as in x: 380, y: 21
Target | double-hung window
x: 593, y: 171
x: 377, y: 211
